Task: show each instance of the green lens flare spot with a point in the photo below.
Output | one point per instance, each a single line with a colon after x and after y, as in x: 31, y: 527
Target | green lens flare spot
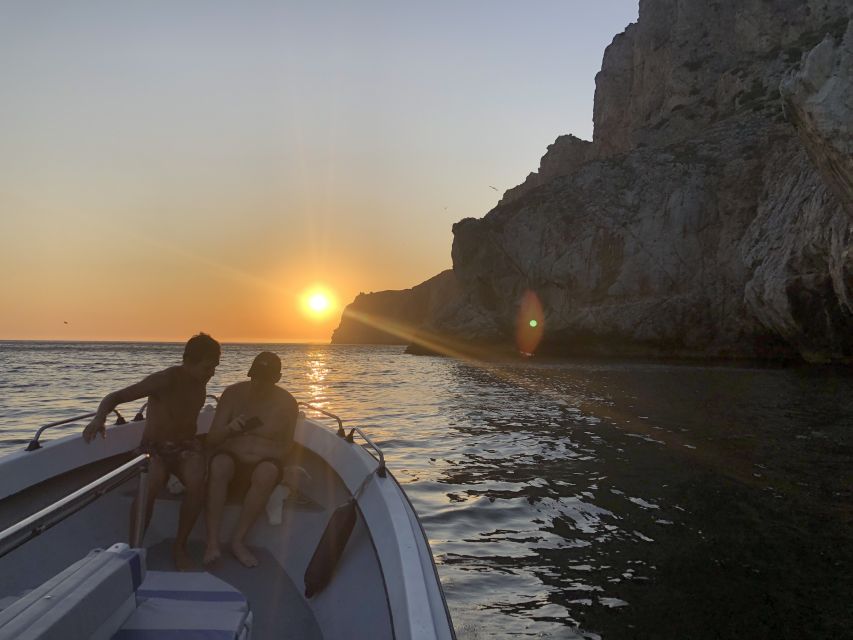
x: 533, y: 323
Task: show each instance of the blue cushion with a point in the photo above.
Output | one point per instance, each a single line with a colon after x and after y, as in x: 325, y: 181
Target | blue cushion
x: 186, y: 606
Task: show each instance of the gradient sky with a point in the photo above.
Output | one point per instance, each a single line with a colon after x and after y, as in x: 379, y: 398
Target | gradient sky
x: 170, y: 167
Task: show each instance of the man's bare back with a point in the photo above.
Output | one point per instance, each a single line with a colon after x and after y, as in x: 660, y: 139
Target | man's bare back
x: 175, y: 397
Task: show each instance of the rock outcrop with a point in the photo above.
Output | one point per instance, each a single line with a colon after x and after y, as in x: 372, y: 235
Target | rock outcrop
x: 711, y: 214
x: 562, y: 158
x: 393, y: 317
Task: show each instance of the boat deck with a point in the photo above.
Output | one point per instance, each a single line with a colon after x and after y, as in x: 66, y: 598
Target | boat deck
x: 383, y: 585
x: 279, y: 608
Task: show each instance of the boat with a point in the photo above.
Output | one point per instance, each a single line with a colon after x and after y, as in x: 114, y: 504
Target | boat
x: 67, y: 571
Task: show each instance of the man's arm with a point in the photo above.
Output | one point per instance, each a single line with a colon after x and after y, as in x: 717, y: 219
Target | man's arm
x: 223, y: 426
x: 287, y: 415
x: 142, y: 389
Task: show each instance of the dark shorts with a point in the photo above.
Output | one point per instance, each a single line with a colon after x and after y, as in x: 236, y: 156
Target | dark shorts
x: 243, y: 471
x: 172, y: 453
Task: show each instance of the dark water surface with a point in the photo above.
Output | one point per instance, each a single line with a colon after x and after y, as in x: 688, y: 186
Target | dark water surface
x: 571, y: 499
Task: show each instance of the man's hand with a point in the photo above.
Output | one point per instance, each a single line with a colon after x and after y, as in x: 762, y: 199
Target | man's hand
x: 95, y: 427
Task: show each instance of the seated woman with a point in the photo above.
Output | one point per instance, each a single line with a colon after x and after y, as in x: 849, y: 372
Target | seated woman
x: 251, y: 434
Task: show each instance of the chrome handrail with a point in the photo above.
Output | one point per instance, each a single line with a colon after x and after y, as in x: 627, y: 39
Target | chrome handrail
x: 380, y: 471
x: 325, y: 413
x: 41, y: 521
x: 34, y: 443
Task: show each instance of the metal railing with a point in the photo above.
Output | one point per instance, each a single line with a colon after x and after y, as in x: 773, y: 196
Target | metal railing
x: 349, y: 437
x: 35, y: 444
x: 140, y: 415
x: 341, y: 432
x: 41, y: 521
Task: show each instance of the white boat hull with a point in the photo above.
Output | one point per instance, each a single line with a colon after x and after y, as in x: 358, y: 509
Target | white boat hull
x: 385, y: 585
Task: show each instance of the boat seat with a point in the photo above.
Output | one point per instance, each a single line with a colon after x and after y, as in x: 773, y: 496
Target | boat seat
x: 89, y: 599
x: 191, y: 606
x: 109, y: 594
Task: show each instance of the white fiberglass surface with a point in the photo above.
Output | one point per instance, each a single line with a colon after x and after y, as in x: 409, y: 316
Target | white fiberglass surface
x: 354, y: 600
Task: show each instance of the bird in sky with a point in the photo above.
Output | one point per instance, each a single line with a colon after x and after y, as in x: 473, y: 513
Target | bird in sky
x: 495, y: 188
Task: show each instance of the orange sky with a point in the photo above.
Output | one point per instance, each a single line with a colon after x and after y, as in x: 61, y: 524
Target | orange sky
x: 169, y: 168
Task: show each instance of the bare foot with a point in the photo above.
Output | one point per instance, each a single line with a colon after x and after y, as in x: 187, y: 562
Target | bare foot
x: 211, y: 554
x: 243, y: 554
x: 183, y: 562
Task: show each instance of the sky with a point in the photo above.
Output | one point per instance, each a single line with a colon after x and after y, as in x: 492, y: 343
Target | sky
x: 174, y: 167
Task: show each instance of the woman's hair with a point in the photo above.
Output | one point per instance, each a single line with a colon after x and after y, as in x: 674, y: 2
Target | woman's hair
x: 201, y: 347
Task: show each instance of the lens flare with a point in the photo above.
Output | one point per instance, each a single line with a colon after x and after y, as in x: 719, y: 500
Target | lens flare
x: 530, y: 325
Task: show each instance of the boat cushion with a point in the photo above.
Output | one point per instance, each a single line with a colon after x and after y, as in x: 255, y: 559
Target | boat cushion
x: 89, y: 599
x: 193, y: 586
x: 187, y: 606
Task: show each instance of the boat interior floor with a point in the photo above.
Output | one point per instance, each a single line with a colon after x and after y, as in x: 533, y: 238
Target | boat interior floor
x: 278, y: 607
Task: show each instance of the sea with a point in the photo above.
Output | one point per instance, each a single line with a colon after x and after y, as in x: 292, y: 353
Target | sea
x: 564, y: 499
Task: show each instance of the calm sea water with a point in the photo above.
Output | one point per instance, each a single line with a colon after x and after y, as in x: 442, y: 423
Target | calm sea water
x: 565, y: 499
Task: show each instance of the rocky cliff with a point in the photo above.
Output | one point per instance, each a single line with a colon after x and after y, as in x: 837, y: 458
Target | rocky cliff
x: 394, y: 317
x: 711, y: 215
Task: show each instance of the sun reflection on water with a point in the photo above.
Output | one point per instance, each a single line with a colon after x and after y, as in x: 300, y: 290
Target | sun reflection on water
x: 316, y: 374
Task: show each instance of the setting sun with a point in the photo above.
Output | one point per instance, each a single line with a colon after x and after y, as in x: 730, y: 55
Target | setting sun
x: 318, y: 302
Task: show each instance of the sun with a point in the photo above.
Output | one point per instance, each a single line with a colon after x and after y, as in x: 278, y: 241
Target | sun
x: 318, y: 302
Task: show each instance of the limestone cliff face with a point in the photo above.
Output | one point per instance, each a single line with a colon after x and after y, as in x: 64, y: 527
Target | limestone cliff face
x: 711, y: 215
x: 708, y: 249
x: 818, y: 99
x: 686, y: 64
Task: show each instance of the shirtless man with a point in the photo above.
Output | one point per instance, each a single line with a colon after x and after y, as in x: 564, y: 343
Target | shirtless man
x: 251, y: 434
x: 175, y: 397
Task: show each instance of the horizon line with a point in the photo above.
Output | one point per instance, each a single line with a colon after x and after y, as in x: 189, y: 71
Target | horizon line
x: 142, y: 341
